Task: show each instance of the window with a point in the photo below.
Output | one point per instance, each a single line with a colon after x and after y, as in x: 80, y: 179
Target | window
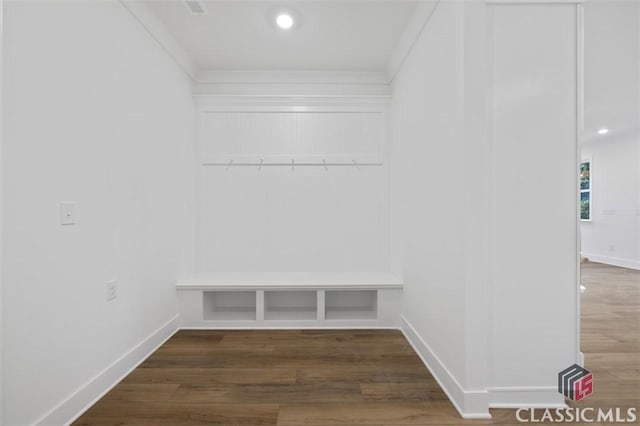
x: 585, y: 190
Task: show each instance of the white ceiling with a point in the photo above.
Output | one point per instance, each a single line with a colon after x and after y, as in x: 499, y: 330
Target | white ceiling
x: 353, y: 35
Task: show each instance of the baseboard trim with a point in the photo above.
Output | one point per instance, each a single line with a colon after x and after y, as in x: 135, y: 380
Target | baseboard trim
x: 613, y: 261
x: 525, y: 397
x: 88, y: 394
x: 470, y: 404
x: 342, y: 327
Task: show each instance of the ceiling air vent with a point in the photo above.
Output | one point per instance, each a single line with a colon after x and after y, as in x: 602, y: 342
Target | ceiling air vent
x: 196, y: 7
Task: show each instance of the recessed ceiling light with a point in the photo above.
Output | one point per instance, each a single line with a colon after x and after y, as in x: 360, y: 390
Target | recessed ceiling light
x: 603, y: 131
x: 284, y: 21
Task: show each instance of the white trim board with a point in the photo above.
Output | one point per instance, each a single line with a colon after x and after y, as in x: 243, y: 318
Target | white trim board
x: 286, y: 102
x: 613, y: 261
x: 88, y: 394
x: 357, y: 78
x: 470, y: 404
x: 525, y: 397
x: 1, y: 202
x: 290, y: 280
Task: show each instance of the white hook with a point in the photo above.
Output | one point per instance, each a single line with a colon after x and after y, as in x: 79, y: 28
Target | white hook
x: 356, y: 163
x: 293, y: 165
x: 228, y: 165
x: 324, y: 162
x: 260, y: 166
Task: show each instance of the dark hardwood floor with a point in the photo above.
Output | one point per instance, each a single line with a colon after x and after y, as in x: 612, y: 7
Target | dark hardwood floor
x: 351, y: 377
x: 610, y: 335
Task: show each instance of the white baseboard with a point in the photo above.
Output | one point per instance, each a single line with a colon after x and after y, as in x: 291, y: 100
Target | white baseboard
x: 470, y: 404
x: 88, y: 394
x: 614, y: 261
x: 341, y: 327
x: 525, y: 397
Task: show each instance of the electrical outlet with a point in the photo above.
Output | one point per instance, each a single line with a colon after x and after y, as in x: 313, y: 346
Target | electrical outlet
x: 112, y: 290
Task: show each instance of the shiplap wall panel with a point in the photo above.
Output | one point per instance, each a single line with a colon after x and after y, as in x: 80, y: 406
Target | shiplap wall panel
x: 289, y: 133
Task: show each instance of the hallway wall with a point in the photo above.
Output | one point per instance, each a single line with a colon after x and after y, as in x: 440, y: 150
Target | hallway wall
x: 95, y: 113
x: 483, y: 154
x: 612, y: 100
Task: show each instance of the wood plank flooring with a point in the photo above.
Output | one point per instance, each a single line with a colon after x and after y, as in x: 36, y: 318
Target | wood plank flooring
x: 610, y: 334
x: 349, y: 377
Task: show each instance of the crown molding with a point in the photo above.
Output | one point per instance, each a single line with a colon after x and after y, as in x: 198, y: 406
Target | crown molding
x: 291, y: 77
x: 291, y: 90
x: 419, y: 20
x: 292, y: 83
x: 162, y: 36
x: 291, y: 103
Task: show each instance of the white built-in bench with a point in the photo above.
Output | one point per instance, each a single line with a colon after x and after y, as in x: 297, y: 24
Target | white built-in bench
x: 300, y: 300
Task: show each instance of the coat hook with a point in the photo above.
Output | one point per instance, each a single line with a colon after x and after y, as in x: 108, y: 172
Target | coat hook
x: 293, y: 165
x: 260, y: 166
x: 228, y: 165
x: 324, y: 162
x: 356, y: 163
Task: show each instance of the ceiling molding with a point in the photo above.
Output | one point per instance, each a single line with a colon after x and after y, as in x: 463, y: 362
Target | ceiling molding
x: 292, y: 89
x: 292, y: 103
x: 162, y: 36
x: 292, y: 77
x: 423, y: 13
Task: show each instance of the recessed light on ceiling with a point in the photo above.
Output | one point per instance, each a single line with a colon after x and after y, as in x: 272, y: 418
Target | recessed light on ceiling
x: 603, y: 131
x: 284, y: 21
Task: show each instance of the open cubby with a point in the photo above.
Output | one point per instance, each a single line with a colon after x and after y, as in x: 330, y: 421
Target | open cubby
x: 351, y: 304
x: 229, y: 305
x: 290, y: 305
x: 289, y: 299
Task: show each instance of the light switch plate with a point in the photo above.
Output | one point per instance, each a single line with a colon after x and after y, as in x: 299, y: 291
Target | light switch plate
x: 67, y: 213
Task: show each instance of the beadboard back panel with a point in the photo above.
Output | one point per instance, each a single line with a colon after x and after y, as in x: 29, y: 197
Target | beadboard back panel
x: 319, y: 208
x: 292, y: 133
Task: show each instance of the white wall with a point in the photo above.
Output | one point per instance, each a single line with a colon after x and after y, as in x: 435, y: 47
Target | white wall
x: 483, y: 204
x: 612, y: 77
x: 533, y: 210
x: 427, y: 181
x: 95, y: 113
x: 303, y: 218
